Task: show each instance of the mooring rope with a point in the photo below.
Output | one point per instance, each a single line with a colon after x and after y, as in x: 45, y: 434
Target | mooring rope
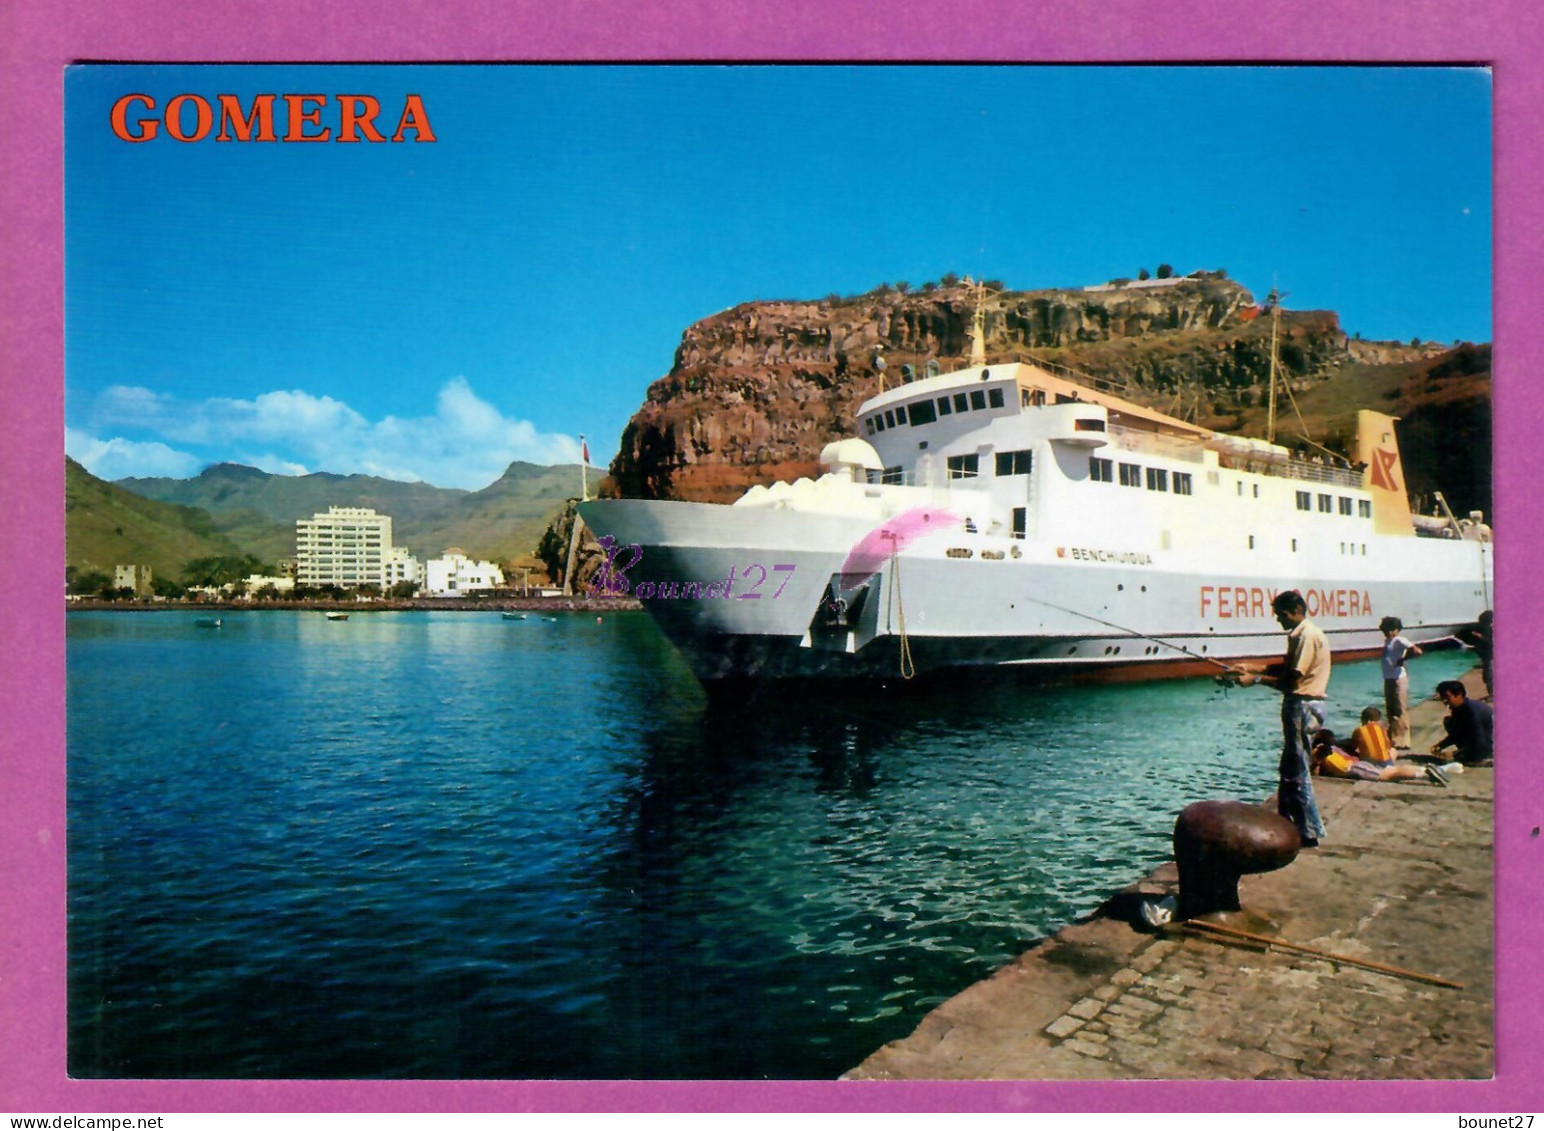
x: 908, y: 667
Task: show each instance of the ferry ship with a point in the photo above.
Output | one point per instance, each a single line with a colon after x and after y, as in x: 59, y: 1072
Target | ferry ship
x: 1004, y: 514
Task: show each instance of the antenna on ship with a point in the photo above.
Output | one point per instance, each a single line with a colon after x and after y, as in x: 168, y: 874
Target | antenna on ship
x: 1273, y: 300
x: 978, y: 324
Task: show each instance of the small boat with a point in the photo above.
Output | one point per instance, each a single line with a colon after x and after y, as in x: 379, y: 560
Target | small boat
x: 337, y: 616
x: 207, y: 622
x: 514, y: 616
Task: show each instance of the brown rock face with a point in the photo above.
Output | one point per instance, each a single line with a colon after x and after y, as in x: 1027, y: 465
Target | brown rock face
x: 758, y: 390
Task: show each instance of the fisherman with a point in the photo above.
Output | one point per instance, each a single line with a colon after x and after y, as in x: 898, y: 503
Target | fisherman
x: 1396, y: 681
x: 1303, y: 678
x: 1470, y: 726
x: 1331, y: 761
x: 1481, y: 636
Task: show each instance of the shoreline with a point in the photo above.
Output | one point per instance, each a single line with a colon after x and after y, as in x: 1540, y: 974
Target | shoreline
x: 1405, y: 877
x: 384, y: 605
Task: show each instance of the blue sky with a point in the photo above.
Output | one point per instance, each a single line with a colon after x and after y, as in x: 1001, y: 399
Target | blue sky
x: 434, y: 311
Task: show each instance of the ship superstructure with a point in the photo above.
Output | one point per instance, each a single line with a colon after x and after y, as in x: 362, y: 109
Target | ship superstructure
x: 1006, y: 514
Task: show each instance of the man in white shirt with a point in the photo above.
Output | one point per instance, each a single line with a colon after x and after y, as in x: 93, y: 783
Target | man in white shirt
x: 1396, y: 681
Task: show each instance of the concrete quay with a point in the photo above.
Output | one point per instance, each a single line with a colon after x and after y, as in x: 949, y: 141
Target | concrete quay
x: 1405, y: 878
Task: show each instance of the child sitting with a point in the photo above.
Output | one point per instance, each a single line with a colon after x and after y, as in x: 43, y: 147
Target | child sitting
x: 1330, y: 761
x: 1370, y: 741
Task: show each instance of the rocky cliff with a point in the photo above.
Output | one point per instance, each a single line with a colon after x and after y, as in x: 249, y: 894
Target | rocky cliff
x: 756, y: 391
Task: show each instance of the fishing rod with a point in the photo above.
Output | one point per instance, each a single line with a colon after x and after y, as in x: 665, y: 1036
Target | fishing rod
x: 1133, y: 632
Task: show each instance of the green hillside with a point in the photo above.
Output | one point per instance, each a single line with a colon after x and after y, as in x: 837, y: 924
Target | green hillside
x: 106, y: 526
x: 256, y: 511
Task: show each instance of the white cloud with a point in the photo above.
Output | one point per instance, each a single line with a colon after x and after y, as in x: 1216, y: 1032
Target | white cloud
x: 466, y: 442
x: 117, y: 458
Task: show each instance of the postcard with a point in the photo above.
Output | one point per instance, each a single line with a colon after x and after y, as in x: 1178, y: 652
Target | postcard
x: 467, y: 464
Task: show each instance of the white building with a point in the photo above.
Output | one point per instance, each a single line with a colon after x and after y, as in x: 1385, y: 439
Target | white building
x: 455, y: 575
x: 135, y: 577
x: 258, y: 581
x: 402, y: 566
x: 347, y: 546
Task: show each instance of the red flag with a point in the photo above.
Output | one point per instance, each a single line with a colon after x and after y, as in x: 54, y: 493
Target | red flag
x: 584, y: 450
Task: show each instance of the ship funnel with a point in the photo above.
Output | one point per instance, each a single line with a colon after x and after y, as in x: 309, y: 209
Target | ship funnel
x: 1383, y: 475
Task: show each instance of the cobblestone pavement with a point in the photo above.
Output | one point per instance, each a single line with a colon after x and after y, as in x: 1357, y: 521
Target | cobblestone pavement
x: 1404, y: 878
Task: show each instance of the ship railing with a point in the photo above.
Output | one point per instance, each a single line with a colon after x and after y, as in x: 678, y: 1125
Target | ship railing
x: 1305, y: 470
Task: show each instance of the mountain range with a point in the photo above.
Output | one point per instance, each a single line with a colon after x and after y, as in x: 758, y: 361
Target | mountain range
x: 233, y: 509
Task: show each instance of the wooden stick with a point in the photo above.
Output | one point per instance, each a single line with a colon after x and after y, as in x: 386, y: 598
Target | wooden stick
x: 1204, y: 927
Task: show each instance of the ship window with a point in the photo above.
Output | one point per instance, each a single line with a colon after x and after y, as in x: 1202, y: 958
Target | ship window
x: 943, y: 406
x: 1101, y: 470
x: 1013, y: 463
x: 1182, y: 483
x: 977, y: 399
x: 889, y: 418
x: 1130, y: 475
x: 994, y: 397
x: 1294, y: 545
x: 879, y: 423
x: 1251, y: 541
x: 1257, y: 490
x: 869, y: 424
x: 1063, y: 398
x: 1090, y: 425
x: 961, y: 404
x: 1345, y: 506
x: 964, y: 467
x: 922, y: 413
x: 1157, y: 479
x: 1326, y: 504
x: 1304, y: 501
x: 1364, y: 508
x: 900, y: 414
x: 1020, y: 516
x: 892, y: 475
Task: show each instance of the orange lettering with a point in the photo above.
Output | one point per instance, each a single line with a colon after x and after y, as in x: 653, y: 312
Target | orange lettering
x: 205, y: 117
x: 259, y: 120
x: 1311, y: 599
x: 1366, y: 604
x: 415, y: 118
x: 1224, y: 602
x: 1206, y: 598
x: 360, y: 110
x: 301, y: 116
x: 120, y: 114
x: 1356, y: 603
x: 1257, y: 602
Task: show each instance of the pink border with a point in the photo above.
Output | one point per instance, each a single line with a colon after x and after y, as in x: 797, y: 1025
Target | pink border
x: 38, y: 39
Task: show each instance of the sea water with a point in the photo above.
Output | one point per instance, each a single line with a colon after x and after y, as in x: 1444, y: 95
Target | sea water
x: 436, y: 845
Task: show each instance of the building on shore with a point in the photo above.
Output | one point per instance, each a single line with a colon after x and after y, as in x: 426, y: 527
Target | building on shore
x: 135, y: 577
x: 455, y: 575
x: 349, y: 547
x: 258, y: 582
x: 402, y: 566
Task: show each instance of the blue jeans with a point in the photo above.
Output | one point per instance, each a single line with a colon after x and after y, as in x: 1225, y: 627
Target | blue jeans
x: 1294, y: 794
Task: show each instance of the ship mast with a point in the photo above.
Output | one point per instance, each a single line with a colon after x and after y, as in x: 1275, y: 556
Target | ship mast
x: 1270, y: 420
x: 978, y: 326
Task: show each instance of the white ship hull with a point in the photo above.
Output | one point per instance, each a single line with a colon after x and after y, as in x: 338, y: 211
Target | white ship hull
x: 1027, y: 522
x: 1041, y: 610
